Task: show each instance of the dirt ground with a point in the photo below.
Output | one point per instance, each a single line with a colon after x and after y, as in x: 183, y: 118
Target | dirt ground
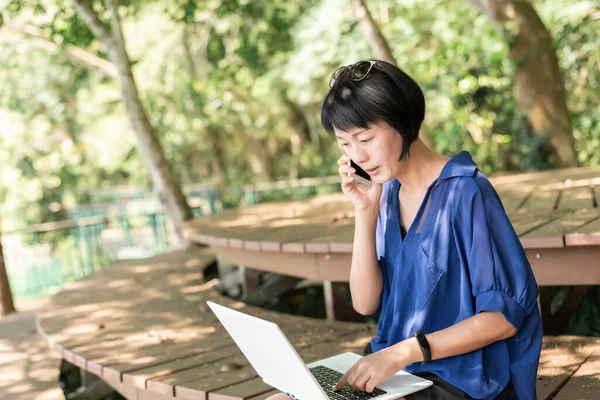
x: 28, y: 369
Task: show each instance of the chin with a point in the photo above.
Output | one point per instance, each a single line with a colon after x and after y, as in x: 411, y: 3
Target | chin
x: 381, y: 179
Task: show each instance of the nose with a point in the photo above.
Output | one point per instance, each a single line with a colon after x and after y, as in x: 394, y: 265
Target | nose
x: 359, y: 156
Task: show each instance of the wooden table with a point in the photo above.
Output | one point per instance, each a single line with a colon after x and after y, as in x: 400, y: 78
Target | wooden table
x: 555, y: 213
x: 144, y: 328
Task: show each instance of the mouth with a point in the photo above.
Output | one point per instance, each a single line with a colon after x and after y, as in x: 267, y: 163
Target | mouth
x: 372, y: 170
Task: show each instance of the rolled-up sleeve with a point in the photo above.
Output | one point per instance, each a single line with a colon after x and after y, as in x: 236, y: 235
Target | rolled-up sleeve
x: 501, y: 277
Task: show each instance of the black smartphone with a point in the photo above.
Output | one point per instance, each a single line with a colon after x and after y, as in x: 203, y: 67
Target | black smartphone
x: 360, y: 176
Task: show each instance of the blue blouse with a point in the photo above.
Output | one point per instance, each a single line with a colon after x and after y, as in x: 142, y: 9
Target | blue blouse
x: 460, y: 256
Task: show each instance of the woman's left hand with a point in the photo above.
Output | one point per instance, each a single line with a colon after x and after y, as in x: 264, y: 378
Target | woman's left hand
x: 371, y: 370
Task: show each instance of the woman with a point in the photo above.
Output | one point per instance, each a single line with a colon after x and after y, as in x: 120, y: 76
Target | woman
x: 434, y: 251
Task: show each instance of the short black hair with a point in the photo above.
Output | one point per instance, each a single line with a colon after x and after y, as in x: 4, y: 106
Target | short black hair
x: 386, y: 94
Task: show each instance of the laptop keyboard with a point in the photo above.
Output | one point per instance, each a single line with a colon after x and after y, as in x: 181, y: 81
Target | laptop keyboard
x: 327, y: 378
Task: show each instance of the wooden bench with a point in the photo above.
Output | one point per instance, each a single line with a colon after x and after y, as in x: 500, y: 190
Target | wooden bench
x: 555, y: 213
x: 145, y: 329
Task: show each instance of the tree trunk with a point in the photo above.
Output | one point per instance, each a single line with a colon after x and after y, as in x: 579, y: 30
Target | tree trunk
x: 539, y: 85
x: 197, y: 70
x: 380, y: 46
x: 219, y: 161
x: 261, y: 161
x: 165, y: 182
x: 6, y: 298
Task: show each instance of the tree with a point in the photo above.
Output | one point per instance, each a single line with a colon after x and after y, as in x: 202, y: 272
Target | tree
x: 165, y: 182
x: 380, y: 46
x: 539, y: 85
x: 6, y: 298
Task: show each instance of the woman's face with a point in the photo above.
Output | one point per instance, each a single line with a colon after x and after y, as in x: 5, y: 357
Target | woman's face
x: 375, y: 149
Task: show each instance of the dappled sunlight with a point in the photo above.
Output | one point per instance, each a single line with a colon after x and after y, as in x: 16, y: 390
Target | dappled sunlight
x: 183, y: 279
x: 28, y: 369
x: 319, y: 210
x: 55, y: 393
x: 555, y: 175
x: 200, y: 288
x: 141, y: 269
x: 120, y: 283
x: 237, y: 305
x: 77, y: 285
x: 149, y: 291
x: 194, y: 263
x: 361, y: 342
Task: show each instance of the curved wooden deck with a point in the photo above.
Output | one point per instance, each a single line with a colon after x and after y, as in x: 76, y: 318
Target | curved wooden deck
x: 555, y: 213
x: 549, y: 210
x: 144, y: 328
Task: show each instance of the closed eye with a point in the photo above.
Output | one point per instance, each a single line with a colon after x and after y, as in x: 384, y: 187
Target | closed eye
x: 366, y: 140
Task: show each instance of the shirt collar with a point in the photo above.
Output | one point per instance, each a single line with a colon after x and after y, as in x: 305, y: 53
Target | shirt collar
x: 460, y: 165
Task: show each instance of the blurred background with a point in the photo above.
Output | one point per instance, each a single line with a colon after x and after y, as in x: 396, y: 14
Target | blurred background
x: 121, y: 120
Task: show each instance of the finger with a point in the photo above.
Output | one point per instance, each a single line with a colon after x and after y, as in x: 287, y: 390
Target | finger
x: 344, y: 159
x: 342, y: 382
x: 371, y: 383
x: 344, y: 170
x: 361, y: 381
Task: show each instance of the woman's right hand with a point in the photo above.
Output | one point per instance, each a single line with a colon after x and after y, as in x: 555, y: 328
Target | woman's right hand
x: 363, y: 199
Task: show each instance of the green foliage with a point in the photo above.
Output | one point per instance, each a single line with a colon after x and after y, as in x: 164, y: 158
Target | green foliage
x: 586, y: 322
x: 222, y: 99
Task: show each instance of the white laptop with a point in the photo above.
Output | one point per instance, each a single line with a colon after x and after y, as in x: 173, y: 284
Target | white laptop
x: 276, y: 361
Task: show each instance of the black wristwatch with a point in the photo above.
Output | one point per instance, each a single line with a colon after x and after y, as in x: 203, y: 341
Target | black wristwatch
x: 424, y: 345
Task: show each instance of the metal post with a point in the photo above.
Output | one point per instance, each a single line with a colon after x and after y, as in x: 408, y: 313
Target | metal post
x: 83, y: 233
x: 329, y: 303
x: 250, y: 196
x: 152, y: 222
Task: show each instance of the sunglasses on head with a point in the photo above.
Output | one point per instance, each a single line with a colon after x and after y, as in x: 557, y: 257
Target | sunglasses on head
x: 357, y: 72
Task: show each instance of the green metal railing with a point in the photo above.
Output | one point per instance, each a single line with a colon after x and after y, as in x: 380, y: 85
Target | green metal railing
x: 204, y: 199
x: 41, y: 258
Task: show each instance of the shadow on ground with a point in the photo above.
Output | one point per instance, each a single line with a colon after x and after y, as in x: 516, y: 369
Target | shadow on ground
x: 28, y: 369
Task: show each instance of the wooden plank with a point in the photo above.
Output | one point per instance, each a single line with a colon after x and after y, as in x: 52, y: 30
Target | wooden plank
x: 302, y: 334
x: 139, y: 377
x: 514, y: 198
x: 140, y: 344
x: 242, y: 391
x: 312, y: 353
x: 549, y: 265
x: 544, y: 200
x: 585, y: 383
x: 544, y: 177
x: 561, y: 356
x: 216, y: 342
x: 213, y: 384
x: 587, y: 235
x: 162, y: 378
x: 266, y: 221
x: 264, y: 396
x: 524, y: 223
x: 166, y: 383
x: 199, y: 389
x: 552, y: 234
x: 576, y: 197
x: 334, y: 267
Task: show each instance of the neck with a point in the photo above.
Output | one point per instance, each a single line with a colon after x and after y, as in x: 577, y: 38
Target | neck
x: 416, y: 171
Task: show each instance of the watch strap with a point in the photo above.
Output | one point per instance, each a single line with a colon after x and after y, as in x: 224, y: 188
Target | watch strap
x: 424, y: 345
